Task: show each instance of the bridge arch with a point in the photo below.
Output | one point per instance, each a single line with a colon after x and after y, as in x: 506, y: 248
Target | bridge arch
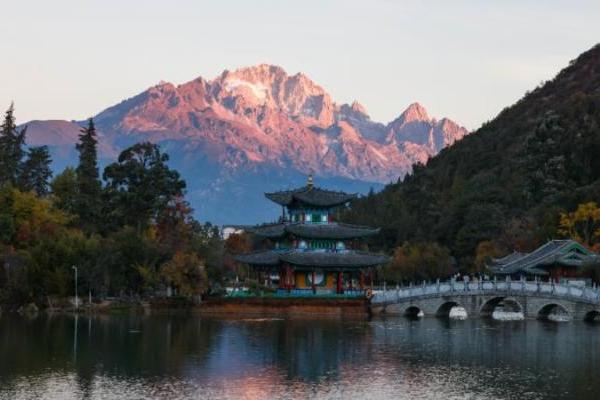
x: 592, y: 316
x: 550, y: 308
x: 533, y: 299
x: 487, y: 309
x: 443, y: 310
x: 412, y: 312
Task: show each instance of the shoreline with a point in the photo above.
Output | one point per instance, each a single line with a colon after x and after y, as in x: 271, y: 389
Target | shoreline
x: 285, y: 306
x: 249, y: 306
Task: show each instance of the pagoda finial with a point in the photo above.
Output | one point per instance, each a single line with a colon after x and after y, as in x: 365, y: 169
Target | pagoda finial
x: 310, y: 182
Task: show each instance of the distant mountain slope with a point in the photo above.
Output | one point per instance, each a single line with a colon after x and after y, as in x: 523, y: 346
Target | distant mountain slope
x: 509, y: 179
x: 233, y: 136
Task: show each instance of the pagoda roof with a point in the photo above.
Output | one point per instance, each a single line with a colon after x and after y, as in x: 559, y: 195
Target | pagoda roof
x: 271, y: 231
x: 509, y: 258
x: 330, y: 259
x: 334, y: 259
x: 311, y: 195
x: 261, y: 257
x: 562, y: 252
x: 336, y: 231
x: 330, y: 231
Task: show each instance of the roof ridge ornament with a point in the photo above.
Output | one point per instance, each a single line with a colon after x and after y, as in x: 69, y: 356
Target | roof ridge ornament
x: 310, y: 183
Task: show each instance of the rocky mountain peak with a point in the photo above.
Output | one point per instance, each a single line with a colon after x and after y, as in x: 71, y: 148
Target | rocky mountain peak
x: 414, y: 112
x: 359, y: 108
x: 271, y: 86
x: 259, y: 121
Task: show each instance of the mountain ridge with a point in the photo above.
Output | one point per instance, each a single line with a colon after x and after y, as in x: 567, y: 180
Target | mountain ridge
x: 260, y: 118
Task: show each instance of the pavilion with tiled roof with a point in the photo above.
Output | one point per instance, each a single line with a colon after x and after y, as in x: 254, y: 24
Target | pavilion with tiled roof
x: 556, y: 259
x: 331, y: 230
x: 310, y: 195
x: 311, y: 253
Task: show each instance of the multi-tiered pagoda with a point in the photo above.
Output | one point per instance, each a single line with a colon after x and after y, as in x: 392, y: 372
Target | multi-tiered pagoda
x: 310, y: 252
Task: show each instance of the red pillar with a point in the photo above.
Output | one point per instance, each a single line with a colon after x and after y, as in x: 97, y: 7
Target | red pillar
x: 339, y: 283
x: 362, y: 280
x: 281, y: 279
x: 290, y: 277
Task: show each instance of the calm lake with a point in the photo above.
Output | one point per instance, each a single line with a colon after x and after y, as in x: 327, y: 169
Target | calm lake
x: 180, y: 357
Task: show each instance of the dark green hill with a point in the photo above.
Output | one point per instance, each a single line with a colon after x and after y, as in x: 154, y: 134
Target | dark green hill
x: 509, y: 180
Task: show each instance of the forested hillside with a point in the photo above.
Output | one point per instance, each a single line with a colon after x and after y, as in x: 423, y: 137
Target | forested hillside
x: 506, y: 185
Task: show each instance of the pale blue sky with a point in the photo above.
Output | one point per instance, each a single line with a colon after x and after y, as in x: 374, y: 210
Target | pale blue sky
x: 462, y: 59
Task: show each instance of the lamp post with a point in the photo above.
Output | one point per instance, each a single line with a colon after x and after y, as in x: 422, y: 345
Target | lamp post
x: 76, y: 301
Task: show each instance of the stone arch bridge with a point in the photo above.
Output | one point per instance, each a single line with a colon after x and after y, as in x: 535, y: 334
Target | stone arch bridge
x: 534, y: 299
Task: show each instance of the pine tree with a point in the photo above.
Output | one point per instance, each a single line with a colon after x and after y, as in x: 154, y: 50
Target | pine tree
x: 12, y: 142
x: 36, y: 171
x: 88, y: 183
x: 64, y: 190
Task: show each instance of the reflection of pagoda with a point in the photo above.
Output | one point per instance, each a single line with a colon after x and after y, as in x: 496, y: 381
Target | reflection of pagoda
x: 313, y: 254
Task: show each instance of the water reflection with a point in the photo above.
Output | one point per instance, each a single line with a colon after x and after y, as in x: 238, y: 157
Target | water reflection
x: 172, y: 357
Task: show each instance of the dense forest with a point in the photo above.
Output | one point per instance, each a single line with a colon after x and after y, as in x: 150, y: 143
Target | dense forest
x: 128, y: 232
x: 531, y: 174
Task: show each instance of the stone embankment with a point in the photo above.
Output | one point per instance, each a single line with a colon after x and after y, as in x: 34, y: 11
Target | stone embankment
x: 286, y: 307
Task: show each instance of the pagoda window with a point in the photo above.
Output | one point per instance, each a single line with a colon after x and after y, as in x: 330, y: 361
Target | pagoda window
x: 307, y: 218
x: 321, y: 244
x: 324, y: 218
x: 302, y: 244
x: 340, y: 246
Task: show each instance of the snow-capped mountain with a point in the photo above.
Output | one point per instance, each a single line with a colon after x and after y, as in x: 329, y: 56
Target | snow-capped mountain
x: 257, y: 129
